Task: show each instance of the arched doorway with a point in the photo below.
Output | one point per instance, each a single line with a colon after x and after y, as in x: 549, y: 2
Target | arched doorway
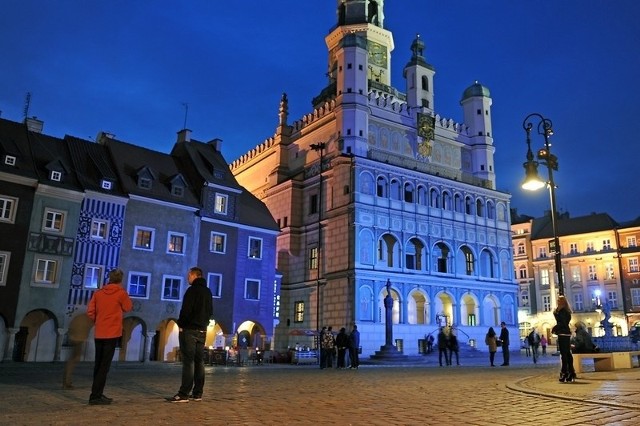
x: 36, y: 340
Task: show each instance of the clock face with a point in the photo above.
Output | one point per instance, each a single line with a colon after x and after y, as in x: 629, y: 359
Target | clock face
x: 377, y: 54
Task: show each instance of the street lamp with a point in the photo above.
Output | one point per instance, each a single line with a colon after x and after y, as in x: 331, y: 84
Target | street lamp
x: 533, y: 182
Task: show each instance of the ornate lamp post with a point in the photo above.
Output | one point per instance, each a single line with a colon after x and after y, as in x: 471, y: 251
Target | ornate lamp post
x: 533, y: 182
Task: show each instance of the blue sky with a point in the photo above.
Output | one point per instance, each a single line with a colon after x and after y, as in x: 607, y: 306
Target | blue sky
x: 128, y: 66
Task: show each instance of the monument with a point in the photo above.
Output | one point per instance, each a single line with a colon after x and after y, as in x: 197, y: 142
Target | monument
x: 389, y: 352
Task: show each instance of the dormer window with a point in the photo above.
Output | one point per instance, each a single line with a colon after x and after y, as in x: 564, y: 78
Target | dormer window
x: 144, y: 183
x: 177, y: 190
x: 56, y: 176
x: 106, y: 184
x: 10, y: 160
x: 218, y: 174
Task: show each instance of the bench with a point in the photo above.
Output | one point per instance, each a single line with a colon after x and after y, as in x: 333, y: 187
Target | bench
x: 601, y: 361
x: 625, y: 359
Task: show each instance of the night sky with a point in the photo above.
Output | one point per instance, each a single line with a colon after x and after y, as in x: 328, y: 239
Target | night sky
x: 128, y: 67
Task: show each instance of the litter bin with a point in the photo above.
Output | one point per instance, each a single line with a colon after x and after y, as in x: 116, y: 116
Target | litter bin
x: 472, y: 343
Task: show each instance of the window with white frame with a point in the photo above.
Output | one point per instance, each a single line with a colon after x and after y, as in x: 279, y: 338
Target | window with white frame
x: 631, y: 241
x: 221, y: 203
x: 176, y: 243
x: 313, y: 258
x: 606, y: 244
x: 218, y: 243
x: 214, y: 282
x: 8, y: 206
x: 255, y: 248
x: 612, y: 296
x: 546, y: 303
x: 542, y: 252
x: 53, y: 221
x: 633, y: 264
x: 93, y: 276
x: 575, y: 274
x: 143, y: 238
x: 573, y: 248
x: 5, y: 257
x: 635, y: 297
x: 544, y: 277
x: 521, y: 250
x: 171, y: 286
x: 106, y: 184
x: 578, y: 302
x: 252, y: 289
x: 99, y: 229
x: 10, y: 160
x: 56, y: 176
x: 592, y: 272
x: 609, y: 272
x: 46, y: 271
x: 523, y: 272
x: 138, y: 284
x: 590, y: 246
x: 144, y: 182
x: 298, y: 311
x: 524, y: 298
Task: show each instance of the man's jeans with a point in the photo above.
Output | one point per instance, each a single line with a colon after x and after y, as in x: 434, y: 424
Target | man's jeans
x: 192, y: 352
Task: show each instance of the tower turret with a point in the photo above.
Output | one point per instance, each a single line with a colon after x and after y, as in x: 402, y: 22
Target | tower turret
x: 476, y: 105
x: 419, y: 77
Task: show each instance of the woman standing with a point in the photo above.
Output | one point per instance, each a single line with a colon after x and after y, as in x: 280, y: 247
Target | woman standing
x: 563, y: 317
x: 491, y: 341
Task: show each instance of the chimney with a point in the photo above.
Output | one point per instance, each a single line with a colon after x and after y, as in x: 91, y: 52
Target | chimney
x: 34, y: 125
x: 102, y: 136
x: 184, y: 135
x: 216, y: 144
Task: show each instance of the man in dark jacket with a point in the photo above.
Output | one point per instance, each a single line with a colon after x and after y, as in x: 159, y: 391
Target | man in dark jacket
x: 196, y: 311
x: 504, y: 340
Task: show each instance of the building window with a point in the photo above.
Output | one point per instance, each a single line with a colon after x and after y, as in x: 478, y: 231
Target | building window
x: 524, y: 298
x: 99, y: 229
x: 276, y: 300
x: 171, y: 286
x: 252, y: 289
x: 544, y: 277
x: 176, y: 243
x: 93, y: 276
x: 138, y: 285
x: 56, y: 176
x: 613, y: 299
x: 143, y: 238
x: 593, y: 274
x: 631, y: 241
x: 575, y: 274
x: 606, y: 244
x: 578, y: 303
x: 609, y: 272
x: 221, y: 203
x: 313, y: 204
x: 106, y: 184
x: 8, y: 207
x: 471, y: 320
x: 218, y: 243
x: 313, y: 258
x: 255, y: 248
x: 546, y: 303
x: 468, y: 261
x: 633, y: 264
x: 298, y: 314
x: 5, y: 256
x: 214, y: 281
x: 542, y: 252
x: 46, y: 271
x: 635, y: 297
x: 144, y: 183
x: 521, y: 249
x: 589, y: 246
x: 53, y: 221
x: 177, y: 190
x: 573, y: 248
x: 10, y: 160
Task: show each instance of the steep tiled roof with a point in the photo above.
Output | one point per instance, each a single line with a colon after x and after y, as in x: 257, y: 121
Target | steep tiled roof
x: 542, y: 227
x: 92, y: 164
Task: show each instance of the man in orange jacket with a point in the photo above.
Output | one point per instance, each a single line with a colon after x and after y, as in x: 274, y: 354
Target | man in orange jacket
x: 105, y: 309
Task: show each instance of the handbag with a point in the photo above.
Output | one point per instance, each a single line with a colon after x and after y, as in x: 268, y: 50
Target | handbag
x: 554, y: 330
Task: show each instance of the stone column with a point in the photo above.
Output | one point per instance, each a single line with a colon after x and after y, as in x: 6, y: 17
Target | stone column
x: 148, y: 339
x: 11, y: 343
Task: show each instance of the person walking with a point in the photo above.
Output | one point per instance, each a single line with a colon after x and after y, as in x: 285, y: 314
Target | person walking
x: 106, y: 309
x: 354, y: 347
x: 534, y: 341
x: 543, y: 344
x: 491, y: 341
x: 504, y: 342
x: 195, y: 313
x: 454, y: 348
x: 342, y: 342
x: 77, y: 335
x: 443, y: 343
x: 562, y: 314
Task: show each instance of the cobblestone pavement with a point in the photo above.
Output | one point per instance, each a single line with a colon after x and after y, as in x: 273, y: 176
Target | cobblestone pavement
x: 422, y: 393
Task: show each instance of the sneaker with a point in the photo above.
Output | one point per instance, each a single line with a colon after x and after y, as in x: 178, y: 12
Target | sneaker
x: 99, y: 401
x: 195, y: 398
x: 178, y: 398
